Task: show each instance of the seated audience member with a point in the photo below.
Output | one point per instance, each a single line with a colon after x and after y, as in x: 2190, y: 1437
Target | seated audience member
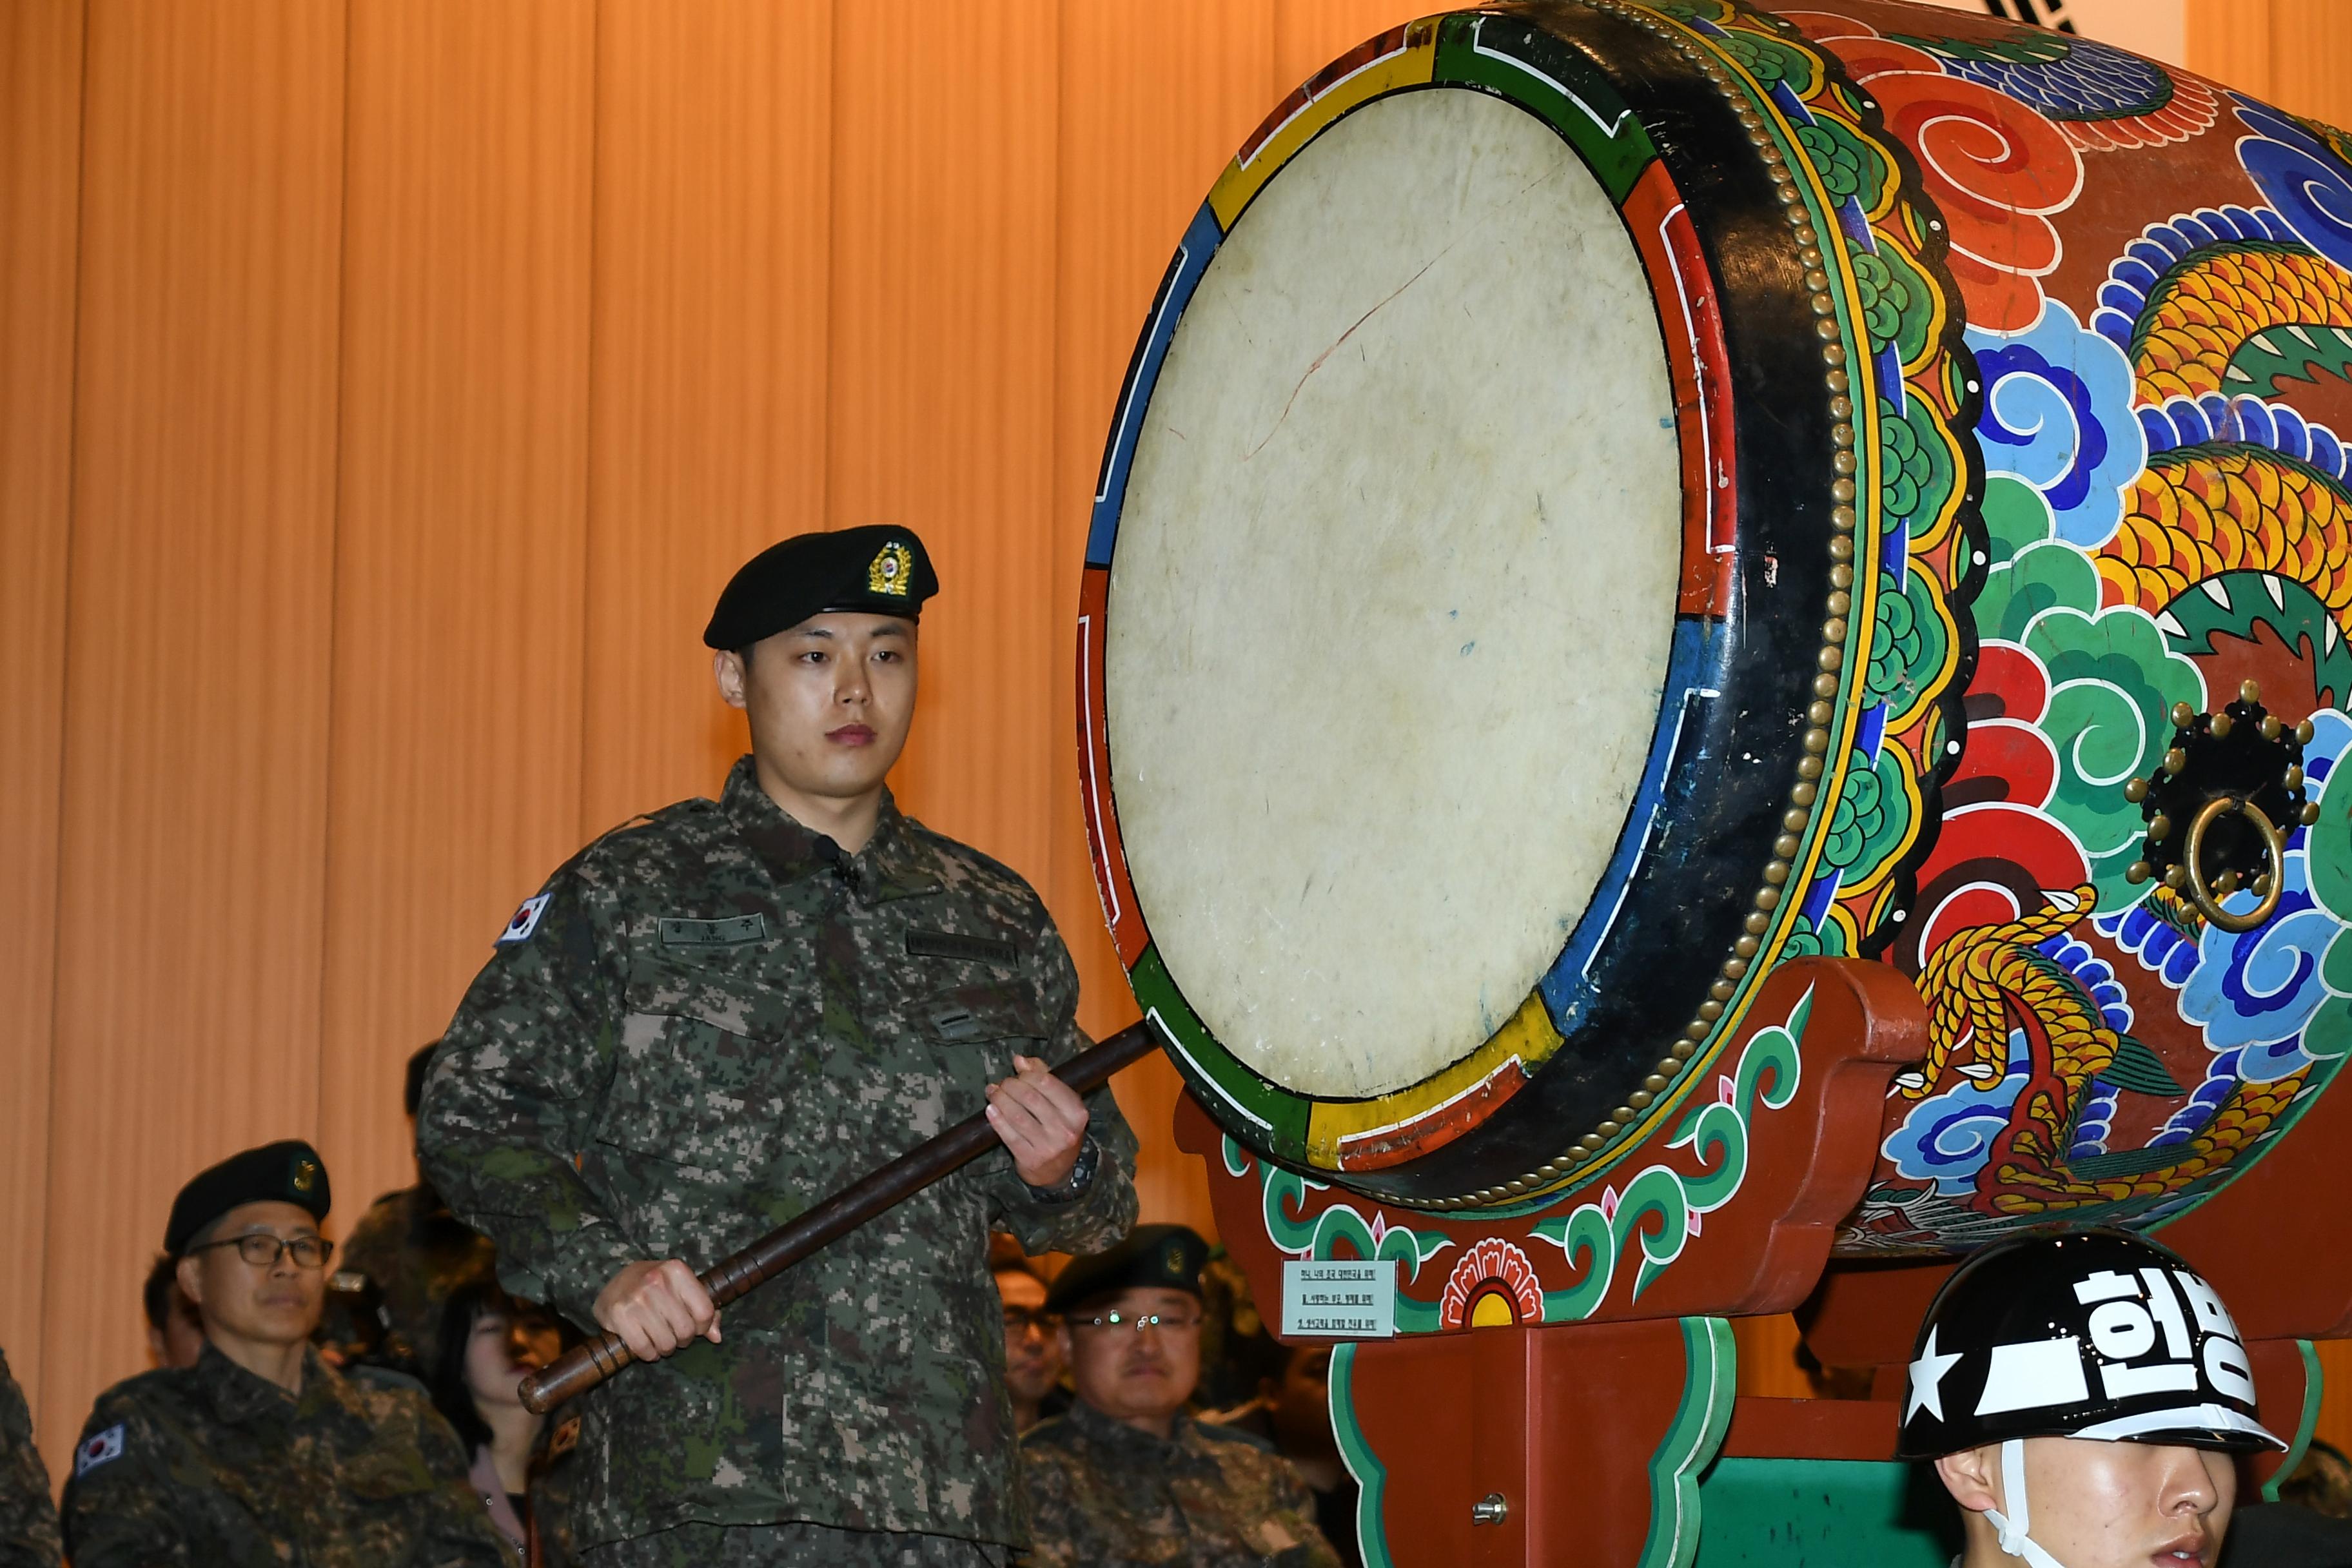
x: 417, y: 1251
x: 2085, y: 1398
x: 174, y: 1337
x: 1127, y: 1477
x: 262, y: 1453
x: 1300, y: 1403
x: 490, y: 1342
x: 1032, y: 1345
x: 28, y: 1521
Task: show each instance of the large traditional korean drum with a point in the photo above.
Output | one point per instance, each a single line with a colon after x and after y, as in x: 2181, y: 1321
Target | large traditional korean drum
x: 1611, y: 496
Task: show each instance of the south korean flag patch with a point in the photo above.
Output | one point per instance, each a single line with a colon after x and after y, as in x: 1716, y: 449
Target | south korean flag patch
x: 526, y: 920
x: 101, y: 1448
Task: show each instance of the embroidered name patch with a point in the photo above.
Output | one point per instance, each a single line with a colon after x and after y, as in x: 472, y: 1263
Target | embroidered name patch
x: 978, y: 949
x: 105, y: 1446
x: 525, y: 922
x: 677, y: 932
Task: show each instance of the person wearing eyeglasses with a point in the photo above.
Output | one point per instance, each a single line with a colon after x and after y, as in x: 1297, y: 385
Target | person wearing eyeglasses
x: 1128, y: 1478
x: 1032, y: 1345
x: 261, y: 1452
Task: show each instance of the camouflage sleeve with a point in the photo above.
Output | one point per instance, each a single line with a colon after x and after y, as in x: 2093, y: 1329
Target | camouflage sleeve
x: 515, y: 1089
x: 1102, y: 1213
x: 1055, y: 1519
x: 28, y: 1521
x: 456, y: 1530
x: 1296, y: 1505
x: 122, y: 1504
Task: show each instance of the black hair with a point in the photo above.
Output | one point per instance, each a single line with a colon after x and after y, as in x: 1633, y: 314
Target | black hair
x: 419, y: 1064
x: 453, y: 1395
x: 162, y: 1279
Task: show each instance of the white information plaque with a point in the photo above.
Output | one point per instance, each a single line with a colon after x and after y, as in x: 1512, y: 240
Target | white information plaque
x: 1343, y: 1301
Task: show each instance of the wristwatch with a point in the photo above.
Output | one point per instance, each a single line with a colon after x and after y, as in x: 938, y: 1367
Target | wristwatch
x: 1082, y: 1175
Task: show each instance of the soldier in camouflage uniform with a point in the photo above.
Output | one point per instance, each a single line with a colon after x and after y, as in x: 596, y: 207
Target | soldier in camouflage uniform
x: 1127, y: 1479
x: 714, y: 1017
x: 28, y: 1521
x: 417, y: 1253
x: 261, y: 1453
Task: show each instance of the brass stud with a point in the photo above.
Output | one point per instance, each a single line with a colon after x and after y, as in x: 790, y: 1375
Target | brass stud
x: 1841, y: 549
x: 1841, y: 517
x: 2176, y: 878
x: 2175, y: 760
x: 2159, y: 827
x: 1684, y: 1050
x: 1514, y: 1186
x: 1757, y: 925
x: 2222, y: 724
x: 1837, y: 381
x: 1819, y: 712
x: 2181, y: 714
x: 1639, y: 1099
x: 1825, y: 306
x: 1817, y: 741
x: 1654, y: 1082
x: 1721, y: 989
x: 2138, y: 871
x: 1809, y: 257
x: 2250, y: 691
x: 1816, y: 281
x: 2227, y: 882
x: 1841, y: 490
x: 2272, y: 728
x: 1788, y: 195
x: 1834, y: 355
x: 1831, y: 658
x: 1841, y: 435
x: 1787, y: 846
x: 1841, y: 576
x: 1805, y: 234
x: 2309, y: 813
x: 1767, y: 899
x: 1803, y: 791
x: 2303, y: 732
x: 2262, y: 886
x: 1841, y: 407
x: 1746, y: 946
x: 1826, y: 331
x: 1808, y: 768
x: 1841, y: 602
x: 2136, y: 791
x: 2294, y: 778
x: 1734, y: 968
x: 1776, y: 872
x: 1842, y: 462
x: 1610, y: 1128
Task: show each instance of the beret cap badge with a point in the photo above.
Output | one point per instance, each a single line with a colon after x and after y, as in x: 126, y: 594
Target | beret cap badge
x: 306, y: 1176
x: 892, y: 571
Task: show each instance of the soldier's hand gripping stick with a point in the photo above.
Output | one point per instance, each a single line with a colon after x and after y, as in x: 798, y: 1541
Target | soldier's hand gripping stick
x: 584, y: 1366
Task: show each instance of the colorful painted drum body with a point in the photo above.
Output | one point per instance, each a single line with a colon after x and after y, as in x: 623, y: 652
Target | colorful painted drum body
x: 1611, y: 496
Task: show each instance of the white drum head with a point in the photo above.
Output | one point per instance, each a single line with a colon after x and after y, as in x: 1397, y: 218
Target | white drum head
x: 1394, y: 586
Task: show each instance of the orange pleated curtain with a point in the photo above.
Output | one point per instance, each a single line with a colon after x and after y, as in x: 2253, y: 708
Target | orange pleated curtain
x: 386, y: 387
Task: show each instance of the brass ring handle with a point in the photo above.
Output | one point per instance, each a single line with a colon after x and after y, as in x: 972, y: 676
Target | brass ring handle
x: 2202, y: 896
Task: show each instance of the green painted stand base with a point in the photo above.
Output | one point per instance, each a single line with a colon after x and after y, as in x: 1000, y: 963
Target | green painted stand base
x: 1823, y: 1513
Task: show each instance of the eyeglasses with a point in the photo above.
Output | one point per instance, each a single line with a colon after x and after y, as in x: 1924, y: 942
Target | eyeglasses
x: 263, y: 1251
x: 1148, y: 1321
x: 1021, y: 1319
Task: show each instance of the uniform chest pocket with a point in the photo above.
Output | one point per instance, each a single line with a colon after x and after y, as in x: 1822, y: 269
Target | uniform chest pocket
x: 381, y: 1478
x: 710, y: 1042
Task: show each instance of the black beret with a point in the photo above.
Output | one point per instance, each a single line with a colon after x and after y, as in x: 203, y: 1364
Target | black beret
x: 287, y: 1173
x: 880, y: 571
x: 1153, y: 1257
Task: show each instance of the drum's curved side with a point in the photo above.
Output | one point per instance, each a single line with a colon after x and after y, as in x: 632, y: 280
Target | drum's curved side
x: 1785, y: 706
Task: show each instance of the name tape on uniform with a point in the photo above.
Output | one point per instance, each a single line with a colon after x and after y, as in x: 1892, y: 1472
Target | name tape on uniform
x: 1340, y: 1300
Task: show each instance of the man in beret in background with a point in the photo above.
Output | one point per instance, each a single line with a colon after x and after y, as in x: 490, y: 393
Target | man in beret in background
x: 1127, y: 1477
x: 28, y: 1521
x: 416, y: 1252
x: 262, y: 1453
x: 713, y: 1019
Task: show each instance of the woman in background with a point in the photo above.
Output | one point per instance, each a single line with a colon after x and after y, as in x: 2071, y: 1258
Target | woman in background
x: 489, y: 1342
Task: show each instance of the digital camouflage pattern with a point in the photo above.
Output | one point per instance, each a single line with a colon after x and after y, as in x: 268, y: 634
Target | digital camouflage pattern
x: 418, y: 1253
x: 794, y: 1546
x: 213, y: 1467
x: 709, y: 1020
x: 1104, y: 1494
x: 28, y: 1521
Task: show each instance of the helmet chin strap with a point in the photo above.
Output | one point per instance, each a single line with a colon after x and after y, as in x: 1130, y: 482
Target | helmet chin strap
x: 2013, y: 1539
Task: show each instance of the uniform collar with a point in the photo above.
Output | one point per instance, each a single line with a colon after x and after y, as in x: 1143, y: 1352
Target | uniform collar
x: 892, y: 866
x: 1118, y: 1436
x: 239, y: 1395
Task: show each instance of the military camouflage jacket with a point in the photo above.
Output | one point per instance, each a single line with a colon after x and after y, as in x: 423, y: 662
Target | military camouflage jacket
x: 28, y: 1521
x: 1104, y: 1494
x: 212, y: 1466
x: 707, y: 1022
x: 418, y: 1253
